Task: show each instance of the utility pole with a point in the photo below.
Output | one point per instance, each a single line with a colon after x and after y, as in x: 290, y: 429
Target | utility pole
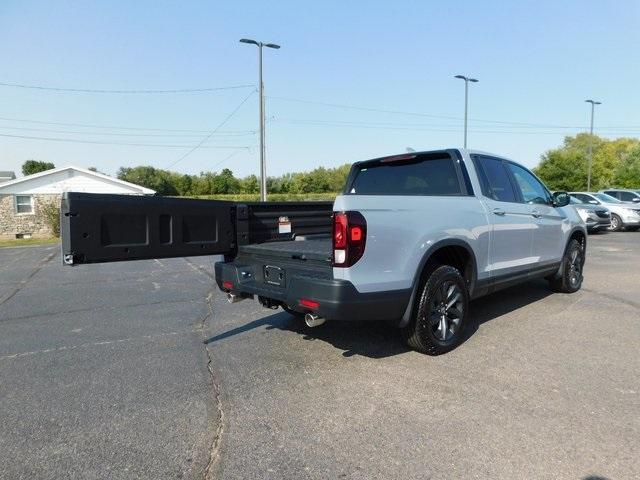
x: 263, y: 166
x: 593, y: 107
x: 466, y: 102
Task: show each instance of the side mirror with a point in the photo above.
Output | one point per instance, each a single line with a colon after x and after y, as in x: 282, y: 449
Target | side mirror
x: 593, y: 202
x: 560, y: 199
x: 636, y: 200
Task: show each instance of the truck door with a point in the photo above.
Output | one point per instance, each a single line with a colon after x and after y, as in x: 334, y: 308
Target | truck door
x: 548, y: 239
x: 511, y: 238
x: 99, y: 228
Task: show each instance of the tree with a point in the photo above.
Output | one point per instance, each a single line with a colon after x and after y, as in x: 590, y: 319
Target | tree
x: 225, y: 182
x: 628, y: 173
x: 565, y: 168
x: 35, y: 166
x: 250, y: 184
x: 149, y: 177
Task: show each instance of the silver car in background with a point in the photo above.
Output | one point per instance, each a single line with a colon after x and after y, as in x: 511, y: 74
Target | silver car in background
x: 596, y: 217
x: 624, y: 194
x: 623, y: 215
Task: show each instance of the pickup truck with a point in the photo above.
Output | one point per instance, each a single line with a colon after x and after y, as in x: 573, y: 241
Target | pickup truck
x: 410, y: 240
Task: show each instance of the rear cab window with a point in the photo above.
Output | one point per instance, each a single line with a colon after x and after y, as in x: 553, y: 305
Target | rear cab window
x: 411, y: 174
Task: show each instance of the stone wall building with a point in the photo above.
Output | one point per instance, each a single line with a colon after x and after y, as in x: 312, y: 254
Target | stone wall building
x: 24, y: 201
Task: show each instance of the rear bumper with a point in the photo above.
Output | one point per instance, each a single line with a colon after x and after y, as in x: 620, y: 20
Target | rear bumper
x: 631, y: 221
x: 337, y: 299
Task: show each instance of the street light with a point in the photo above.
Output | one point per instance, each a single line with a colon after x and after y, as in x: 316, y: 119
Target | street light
x: 466, y: 101
x: 593, y: 107
x: 263, y: 167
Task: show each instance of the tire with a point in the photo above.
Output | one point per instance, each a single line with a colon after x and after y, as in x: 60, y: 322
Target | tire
x: 572, y: 265
x: 616, y: 223
x: 443, y: 304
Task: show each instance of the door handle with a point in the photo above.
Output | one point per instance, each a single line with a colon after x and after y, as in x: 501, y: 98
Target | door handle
x: 536, y: 214
x: 498, y: 211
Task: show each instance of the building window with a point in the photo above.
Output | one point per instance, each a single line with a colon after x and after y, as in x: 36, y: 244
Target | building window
x: 24, y: 204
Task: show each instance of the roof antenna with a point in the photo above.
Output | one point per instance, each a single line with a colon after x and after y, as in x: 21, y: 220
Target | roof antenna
x: 410, y: 150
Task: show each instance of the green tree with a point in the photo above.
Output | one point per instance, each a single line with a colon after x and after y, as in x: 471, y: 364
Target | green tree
x: 35, y: 166
x: 627, y: 175
x: 250, y: 184
x: 150, y: 177
x: 225, y: 182
x: 565, y: 168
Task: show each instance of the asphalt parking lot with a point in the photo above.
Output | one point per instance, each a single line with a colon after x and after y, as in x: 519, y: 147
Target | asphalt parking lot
x: 142, y: 370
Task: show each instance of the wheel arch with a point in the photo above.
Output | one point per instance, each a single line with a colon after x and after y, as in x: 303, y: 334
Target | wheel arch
x: 454, y: 252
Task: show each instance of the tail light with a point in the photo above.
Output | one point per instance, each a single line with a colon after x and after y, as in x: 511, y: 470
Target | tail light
x: 349, y: 238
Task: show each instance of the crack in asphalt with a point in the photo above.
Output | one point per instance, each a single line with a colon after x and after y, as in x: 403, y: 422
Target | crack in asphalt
x: 610, y: 296
x: 28, y: 278
x: 95, y: 344
x: 214, y: 453
x: 200, y: 269
x: 104, y: 307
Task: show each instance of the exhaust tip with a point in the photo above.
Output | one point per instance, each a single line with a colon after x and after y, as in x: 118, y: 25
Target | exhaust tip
x: 313, y: 320
x: 233, y: 298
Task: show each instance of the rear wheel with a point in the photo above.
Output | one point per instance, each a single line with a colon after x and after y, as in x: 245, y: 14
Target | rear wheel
x: 616, y: 223
x: 572, y: 263
x: 440, y: 315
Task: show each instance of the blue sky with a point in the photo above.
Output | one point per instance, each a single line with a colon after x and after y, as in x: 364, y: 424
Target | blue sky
x: 536, y: 61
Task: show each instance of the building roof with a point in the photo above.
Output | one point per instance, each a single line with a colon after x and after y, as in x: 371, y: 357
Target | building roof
x: 7, y: 174
x: 67, y: 179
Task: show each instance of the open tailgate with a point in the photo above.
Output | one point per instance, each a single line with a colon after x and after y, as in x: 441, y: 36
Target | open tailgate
x: 106, y: 228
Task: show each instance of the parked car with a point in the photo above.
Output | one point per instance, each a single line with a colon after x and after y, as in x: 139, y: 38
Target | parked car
x: 411, y: 239
x: 624, y: 195
x: 623, y: 215
x: 596, y: 217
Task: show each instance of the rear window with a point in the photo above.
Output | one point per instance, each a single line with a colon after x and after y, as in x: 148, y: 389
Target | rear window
x: 421, y: 175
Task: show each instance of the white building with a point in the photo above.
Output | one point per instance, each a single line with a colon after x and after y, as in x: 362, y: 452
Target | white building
x: 23, y: 201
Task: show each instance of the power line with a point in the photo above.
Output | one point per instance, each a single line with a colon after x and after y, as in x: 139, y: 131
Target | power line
x: 232, y: 154
x: 419, y: 114
x: 97, y: 142
x: 421, y: 125
x: 127, y: 92
x: 227, y: 118
x: 112, y: 127
x: 440, y: 130
x: 120, y: 134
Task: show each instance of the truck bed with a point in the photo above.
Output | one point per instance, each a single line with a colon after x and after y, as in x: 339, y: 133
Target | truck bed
x: 315, y: 249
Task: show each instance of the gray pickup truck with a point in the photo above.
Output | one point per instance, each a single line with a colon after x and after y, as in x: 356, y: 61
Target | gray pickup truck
x: 411, y: 240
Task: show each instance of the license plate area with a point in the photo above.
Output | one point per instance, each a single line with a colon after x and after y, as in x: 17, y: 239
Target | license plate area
x: 273, y: 275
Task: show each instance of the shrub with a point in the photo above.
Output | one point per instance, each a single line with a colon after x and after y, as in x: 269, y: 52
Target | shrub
x: 272, y: 197
x: 51, y: 214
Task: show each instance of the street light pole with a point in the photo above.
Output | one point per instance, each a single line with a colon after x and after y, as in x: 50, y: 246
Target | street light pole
x: 466, y: 102
x: 263, y: 165
x: 593, y: 107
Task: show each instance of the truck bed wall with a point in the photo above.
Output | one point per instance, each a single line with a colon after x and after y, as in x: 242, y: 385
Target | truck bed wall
x: 258, y: 222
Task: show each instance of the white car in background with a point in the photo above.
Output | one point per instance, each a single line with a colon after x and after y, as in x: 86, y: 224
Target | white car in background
x: 596, y: 217
x: 624, y: 195
x: 623, y: 215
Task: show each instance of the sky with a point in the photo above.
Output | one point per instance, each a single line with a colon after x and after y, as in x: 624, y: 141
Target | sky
x: 353, y: 80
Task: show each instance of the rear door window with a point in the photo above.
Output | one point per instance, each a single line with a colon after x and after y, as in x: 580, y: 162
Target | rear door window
x: 495, y: 180
x: 413, y: 175
x: 627, y: 196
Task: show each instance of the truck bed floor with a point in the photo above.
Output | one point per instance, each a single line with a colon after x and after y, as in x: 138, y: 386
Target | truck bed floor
x: 312, y: 249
